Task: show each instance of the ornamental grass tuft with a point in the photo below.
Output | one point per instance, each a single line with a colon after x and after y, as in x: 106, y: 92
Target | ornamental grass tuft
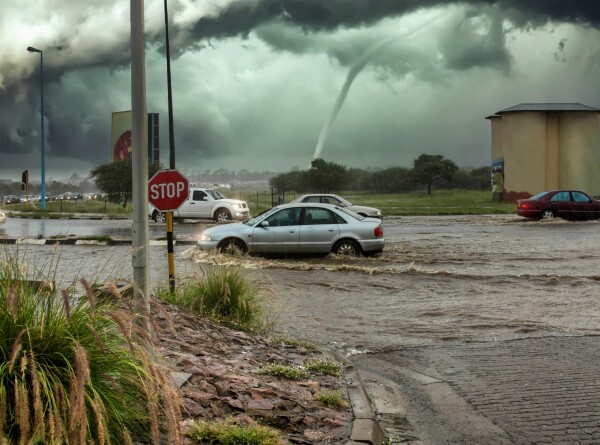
x: 224, y: 295
x: 75, y: 371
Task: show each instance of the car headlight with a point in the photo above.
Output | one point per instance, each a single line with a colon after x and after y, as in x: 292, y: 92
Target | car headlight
x: 205, y: 238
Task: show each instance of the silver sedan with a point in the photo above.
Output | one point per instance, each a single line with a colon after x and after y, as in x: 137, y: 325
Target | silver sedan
x: 299, y: 228
x: 340, y: 202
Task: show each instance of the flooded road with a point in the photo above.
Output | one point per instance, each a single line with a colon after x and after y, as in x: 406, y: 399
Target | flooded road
x: 116, y: 228
x: 439, y: 279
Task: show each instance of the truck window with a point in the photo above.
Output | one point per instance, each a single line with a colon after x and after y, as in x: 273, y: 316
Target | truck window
x: 198, y: 195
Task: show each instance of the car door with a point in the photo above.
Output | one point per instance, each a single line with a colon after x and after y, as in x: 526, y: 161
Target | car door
x: 562, y: 205
x: 582, y: 206
x: 197, y: 206
x: 318, y: 231
x: 281, y: 233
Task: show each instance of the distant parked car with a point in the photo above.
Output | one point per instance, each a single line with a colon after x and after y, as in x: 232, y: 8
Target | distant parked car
x: 566, y: 204
x: 299, y: 228
x: 12, y: 199
x: 340, y: 202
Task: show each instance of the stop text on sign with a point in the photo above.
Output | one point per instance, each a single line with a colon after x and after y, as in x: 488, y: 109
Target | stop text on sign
x: 168, y: 191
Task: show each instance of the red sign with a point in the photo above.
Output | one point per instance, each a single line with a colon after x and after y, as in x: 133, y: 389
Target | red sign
x: 167, y: 190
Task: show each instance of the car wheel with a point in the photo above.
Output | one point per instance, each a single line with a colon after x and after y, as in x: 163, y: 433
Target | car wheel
x: 159, y: 217
x: 233, y: 247
x: 222, y: 215
x: 547, y: 214
x: 347, y: 247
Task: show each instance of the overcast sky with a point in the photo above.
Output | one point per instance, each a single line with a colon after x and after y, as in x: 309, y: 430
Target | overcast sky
x: 255, y: 81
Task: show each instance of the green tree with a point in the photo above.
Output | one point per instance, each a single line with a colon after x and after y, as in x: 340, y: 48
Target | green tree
x: 116, y: 178
x: 428, y: 169
x: 325, y: 177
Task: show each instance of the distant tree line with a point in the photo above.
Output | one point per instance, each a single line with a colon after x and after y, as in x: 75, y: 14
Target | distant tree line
x: 427, y: 172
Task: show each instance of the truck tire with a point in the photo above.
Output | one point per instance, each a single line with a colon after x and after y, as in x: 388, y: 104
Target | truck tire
x: 159, y: 217
x: 222, y: 215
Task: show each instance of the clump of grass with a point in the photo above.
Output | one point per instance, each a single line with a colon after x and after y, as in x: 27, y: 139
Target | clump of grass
x: 284, y: 371
x: 226, y: 296
x: 289, y: 341
x: 73, y: 371
x: 232, y: 432
x: 332, y: 400
x: 327, y: 367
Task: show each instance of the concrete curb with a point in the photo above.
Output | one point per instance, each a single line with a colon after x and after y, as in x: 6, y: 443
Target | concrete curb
x: 365, y: 427
x: 86, y: 242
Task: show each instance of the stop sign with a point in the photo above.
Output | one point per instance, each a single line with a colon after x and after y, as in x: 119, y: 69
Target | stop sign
x: 167, y: 190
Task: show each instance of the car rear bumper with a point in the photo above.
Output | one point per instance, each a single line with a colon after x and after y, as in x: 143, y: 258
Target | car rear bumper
x: 529, y: 213
x: 372, y: 244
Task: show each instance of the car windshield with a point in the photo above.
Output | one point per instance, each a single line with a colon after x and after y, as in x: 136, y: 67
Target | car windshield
x: 261, y: 215
x: 215, y: 194
x: 539, y: 195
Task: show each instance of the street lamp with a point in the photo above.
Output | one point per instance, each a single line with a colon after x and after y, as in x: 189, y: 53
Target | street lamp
x: 31, y: 49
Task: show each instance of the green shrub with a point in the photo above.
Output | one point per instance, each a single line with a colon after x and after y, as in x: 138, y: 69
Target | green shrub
x: 289, y: 341
x: 328, y: 367
x: 230, y: 432
x: 224, y: 295
x: 332, y: 400
x: 73, y: 371
x: 285, y: 371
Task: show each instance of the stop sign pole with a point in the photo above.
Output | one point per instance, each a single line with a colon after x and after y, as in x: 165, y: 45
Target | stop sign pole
x: 167, y: 190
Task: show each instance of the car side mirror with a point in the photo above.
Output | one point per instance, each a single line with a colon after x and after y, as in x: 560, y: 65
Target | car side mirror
x: 264, y: 223
x: 205, y: 198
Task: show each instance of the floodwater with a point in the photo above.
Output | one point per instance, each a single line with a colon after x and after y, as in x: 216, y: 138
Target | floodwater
x: 468, y: 278
x: 117, y: 228
x: 441, y: 279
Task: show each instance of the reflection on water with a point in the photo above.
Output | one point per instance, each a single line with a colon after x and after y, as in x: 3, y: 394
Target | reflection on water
x: 121, y: 228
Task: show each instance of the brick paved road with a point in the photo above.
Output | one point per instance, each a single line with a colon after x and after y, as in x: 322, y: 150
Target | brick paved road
x: 538, y: 390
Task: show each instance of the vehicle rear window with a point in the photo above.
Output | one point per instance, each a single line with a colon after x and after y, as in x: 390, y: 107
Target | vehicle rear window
x: 351, y: 213
x: 539, y: 195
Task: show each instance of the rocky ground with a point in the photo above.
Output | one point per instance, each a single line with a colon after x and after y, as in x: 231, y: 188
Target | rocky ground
x: 221, y: 367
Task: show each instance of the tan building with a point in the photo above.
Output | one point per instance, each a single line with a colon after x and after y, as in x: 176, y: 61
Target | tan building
x: 546, y: 147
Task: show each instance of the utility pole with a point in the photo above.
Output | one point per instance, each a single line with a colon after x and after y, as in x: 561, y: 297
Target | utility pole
x: 139, y: 142
x: 170, y: 250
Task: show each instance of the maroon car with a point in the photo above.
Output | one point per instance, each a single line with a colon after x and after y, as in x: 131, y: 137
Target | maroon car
x: 567, y: 204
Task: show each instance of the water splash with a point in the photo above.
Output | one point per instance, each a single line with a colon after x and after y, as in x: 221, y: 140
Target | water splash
x: 355, y: 70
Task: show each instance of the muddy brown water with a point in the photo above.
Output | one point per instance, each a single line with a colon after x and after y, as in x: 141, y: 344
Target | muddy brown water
x: 440, y: 278
x: 443, y: 278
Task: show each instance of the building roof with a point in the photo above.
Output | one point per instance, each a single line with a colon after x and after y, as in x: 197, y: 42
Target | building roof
x: 550, y: 107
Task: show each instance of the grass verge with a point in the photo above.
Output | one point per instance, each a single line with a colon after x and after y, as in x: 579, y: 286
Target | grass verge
x: 74, y: 371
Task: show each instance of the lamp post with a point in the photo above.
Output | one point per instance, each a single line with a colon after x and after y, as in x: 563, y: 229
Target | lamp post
x: 31, y: 49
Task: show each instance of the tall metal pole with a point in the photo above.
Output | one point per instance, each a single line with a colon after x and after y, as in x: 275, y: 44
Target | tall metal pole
x: 43, y: 197
x: 170, y: 257
x: 31, y: 49
x: 139, y: 142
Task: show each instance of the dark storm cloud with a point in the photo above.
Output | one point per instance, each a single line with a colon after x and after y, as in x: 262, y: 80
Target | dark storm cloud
x: 287, y: 25
x: 241, y: 16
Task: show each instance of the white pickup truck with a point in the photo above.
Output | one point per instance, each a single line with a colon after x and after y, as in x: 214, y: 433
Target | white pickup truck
x: 203, y: 203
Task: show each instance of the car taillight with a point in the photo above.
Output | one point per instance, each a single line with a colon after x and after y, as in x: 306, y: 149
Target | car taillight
x: 378, y: 231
